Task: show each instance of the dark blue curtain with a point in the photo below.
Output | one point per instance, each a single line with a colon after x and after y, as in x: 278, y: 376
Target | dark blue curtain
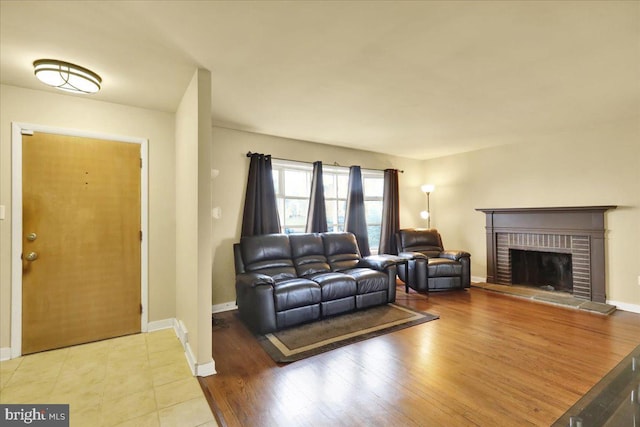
x: 317, y: 213
x: 260, y: 208
x: 355, y: 219
x: 390, y: 213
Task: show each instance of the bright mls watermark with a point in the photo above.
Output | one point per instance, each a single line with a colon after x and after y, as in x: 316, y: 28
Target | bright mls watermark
x: 35, y: 415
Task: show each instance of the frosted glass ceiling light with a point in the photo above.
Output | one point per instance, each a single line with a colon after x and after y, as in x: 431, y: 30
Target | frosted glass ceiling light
x: 66, y: 76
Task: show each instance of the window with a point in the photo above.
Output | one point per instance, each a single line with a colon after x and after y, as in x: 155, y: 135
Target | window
x: 373, y: 188
x: 292, y: 182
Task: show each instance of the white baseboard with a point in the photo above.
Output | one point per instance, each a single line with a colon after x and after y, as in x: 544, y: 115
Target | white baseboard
x: 5, y: 353
x: 191, y: 358
x: 181, y: 332
x: 225, y: 306
x: 634, y: 308
x: 199, y: 370
x: 158, y: 325
x: 206, y: 369
x: 478, y: 279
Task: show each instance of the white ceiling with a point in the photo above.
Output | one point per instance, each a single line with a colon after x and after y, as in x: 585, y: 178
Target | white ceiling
x: 418, y: 79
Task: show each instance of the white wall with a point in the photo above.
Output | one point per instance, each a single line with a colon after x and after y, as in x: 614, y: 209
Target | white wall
x: 593, y: 166
x: 193, y: 220
x: 229, y: 157
x: 73, y: 112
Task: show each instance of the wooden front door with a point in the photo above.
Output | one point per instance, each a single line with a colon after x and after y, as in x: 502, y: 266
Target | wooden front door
x: 81, y: 240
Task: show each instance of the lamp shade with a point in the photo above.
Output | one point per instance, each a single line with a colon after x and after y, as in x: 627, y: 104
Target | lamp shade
x: 428, y: 188
x: 66, y: 76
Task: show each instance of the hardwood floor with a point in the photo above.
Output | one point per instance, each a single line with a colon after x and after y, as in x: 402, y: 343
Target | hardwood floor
x: 490, y: 360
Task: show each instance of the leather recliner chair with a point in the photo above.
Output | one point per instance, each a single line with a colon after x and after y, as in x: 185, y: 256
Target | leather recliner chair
x: 430, y: 267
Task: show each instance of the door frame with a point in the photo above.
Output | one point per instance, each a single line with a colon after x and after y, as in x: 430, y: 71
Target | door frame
x: 17, y: 130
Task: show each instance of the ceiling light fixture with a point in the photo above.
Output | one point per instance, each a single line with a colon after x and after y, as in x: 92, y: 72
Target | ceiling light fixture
x: 66, y: 76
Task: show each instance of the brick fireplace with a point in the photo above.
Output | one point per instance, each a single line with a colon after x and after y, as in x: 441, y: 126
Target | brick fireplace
x: 577, y: 231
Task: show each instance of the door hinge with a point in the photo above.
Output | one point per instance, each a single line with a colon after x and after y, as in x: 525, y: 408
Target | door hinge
x: 140, y: 308
x: 141, y: 235
x: 140, y: 162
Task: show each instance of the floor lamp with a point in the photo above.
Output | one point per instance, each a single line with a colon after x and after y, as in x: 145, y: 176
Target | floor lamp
x: 427, y: 189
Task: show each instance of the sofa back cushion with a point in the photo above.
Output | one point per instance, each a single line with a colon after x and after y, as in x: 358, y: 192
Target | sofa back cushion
x: 341, y: 250
x: 268, y: 254
x: 308, y: 254
x: 427, y: 242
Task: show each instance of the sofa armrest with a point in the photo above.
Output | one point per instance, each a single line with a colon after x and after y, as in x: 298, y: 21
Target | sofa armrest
x: 412, y: 255
x: 251, y: 280
x: 254, y: 296
x: 377, y: 262
x: 454, y: 255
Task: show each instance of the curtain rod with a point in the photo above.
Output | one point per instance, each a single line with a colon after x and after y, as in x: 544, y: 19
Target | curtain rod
x: 249, y: 153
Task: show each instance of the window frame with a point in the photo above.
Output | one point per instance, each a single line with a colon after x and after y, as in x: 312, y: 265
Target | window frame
x: 280, y: 166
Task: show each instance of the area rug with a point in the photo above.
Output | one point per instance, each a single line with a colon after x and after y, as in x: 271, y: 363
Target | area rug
x: 307, y: 340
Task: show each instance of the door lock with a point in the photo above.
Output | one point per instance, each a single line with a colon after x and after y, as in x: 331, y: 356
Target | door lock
x: 32, y: 256
x: 32, y: 236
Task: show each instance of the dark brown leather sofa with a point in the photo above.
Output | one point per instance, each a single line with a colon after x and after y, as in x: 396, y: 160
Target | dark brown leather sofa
x: 284, y: 280
x: 430, y: 266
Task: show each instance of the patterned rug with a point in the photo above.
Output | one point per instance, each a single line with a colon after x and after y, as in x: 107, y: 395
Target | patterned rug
x: 307, y: 340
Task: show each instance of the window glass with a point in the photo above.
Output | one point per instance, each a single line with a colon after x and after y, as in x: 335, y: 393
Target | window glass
x: 373, y: 211
x: 295, y: 211
x: 332, y: 213
x: 342, y: 212
x: 373, y: 215
x: 329, y: 182
x: 297, y: 183
x: 373, y: 186
x: 343, y: 186
x: 373, y: 232
x: 276, y: 182
x: 280, y: 202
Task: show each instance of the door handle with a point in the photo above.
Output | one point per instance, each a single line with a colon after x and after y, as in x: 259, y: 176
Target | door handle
x: 31, y: 256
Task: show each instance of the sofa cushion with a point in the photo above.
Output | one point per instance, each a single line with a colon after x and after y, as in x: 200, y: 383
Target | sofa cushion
x: 298, y: 292
x: 334, y: 285
x: 427, y: 242
x: 268, y: 254
x: 341, y: 250
x: 368, y: 280
x: 308, y: 254
x: 443, y: 267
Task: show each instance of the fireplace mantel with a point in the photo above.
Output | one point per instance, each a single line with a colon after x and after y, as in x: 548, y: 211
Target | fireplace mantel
x: 580, y: 222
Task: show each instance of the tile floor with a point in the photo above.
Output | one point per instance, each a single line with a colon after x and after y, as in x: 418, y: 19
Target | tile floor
x: 137, y: 380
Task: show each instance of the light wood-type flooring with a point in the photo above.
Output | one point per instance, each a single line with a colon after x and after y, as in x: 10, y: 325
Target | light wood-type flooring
x: 490, y: 360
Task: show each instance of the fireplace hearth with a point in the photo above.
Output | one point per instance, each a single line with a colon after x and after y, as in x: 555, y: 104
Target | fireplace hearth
x: 575, y: 232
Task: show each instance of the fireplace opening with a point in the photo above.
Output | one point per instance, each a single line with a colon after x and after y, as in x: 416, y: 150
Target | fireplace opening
x: 547, y: 270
